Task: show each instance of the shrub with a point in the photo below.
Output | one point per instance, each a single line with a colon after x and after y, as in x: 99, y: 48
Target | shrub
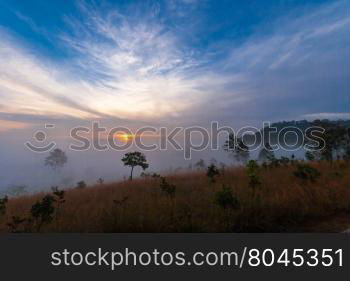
x: 310, y: 156
x: 306, y: 172
x: 59, y: 200
x: 252, y: 171
x: 167, y: 188
x: 284, y: 161
x: 225, y: 199
x: 212, y: 172
x: 3, y: 203
x: 15, y: 223
x: 81, y: 185
x: 150, y: 175
x: 43, y: 211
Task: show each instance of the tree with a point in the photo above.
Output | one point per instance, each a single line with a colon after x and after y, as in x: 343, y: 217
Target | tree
x: 239, y: 151
x: 212, y: 172
x: 310, y: 156
x: 228, y: 202
x: 133, y: 159
x: 167, y: 188
x: 42, y: 211
x: 306, y: 172
x: 335, y: 141
x: 266, y: 154
x: 56, y: 160
x: 3, y: 203
x: 81, y: 185
x: 59, y: 200
x: 225, y: 198
x: 200, y: 164
x: 252, y: 171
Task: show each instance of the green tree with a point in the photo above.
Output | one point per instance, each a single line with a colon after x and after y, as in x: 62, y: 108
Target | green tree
x: 134, y: 159
x: 42, y: 211
x: 252, y: 171
x: 228, y: 202
x: 225, y: 198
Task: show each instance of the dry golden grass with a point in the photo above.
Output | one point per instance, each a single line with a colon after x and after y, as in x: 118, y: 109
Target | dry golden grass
x: 283, y: 203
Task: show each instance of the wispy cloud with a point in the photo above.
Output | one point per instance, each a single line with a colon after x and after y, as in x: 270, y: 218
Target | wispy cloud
x: 31, y: 23
x: 136, y: 66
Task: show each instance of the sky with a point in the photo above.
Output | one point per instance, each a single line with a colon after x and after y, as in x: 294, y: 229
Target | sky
x: 174, y: 62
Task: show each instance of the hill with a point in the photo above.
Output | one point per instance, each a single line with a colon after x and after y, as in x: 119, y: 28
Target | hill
x: 292, y: 197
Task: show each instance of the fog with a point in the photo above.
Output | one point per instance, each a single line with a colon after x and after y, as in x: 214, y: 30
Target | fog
x: 22, y: 167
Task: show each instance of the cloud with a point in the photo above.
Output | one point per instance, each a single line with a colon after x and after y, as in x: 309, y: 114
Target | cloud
x: 31, y: 23
x: 328, y: 115
x: 296, y: 66
x: 136, y: 66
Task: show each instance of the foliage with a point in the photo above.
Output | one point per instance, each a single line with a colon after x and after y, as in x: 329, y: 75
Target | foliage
x: 306, y: 172
x: 310, y: 156
x: 284, y: 161
x: 150, y: 175
x: 133, y: 159
x: 3, y: 203
x: 81, y: 185
x: 266, y: 154
x: 282, y: 204
x: 239, y: 151
x: 15, y: 224
x: 42, y: 211
x: 56, y: 160
x: 167, y: 188
x: 252, y: 171
x: 58, y: 199
x: 212, y: 172
x: 200, y: 164
x: 335, y: 141
x: 225, y: 198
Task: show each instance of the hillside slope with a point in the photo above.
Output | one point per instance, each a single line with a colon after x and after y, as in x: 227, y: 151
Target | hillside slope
x: 282, y: 202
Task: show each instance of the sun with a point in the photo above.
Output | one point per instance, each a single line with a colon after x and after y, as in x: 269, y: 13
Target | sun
x: 125, y: 137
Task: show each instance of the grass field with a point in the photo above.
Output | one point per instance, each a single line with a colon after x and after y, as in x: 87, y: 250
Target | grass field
x: 282, y: 202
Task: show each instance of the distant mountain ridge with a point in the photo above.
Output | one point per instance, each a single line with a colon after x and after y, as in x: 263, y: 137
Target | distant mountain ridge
x: 289, y: 137
x: 304, y: 124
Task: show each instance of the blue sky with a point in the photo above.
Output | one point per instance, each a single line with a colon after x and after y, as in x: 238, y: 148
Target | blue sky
x: 176, y: 61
